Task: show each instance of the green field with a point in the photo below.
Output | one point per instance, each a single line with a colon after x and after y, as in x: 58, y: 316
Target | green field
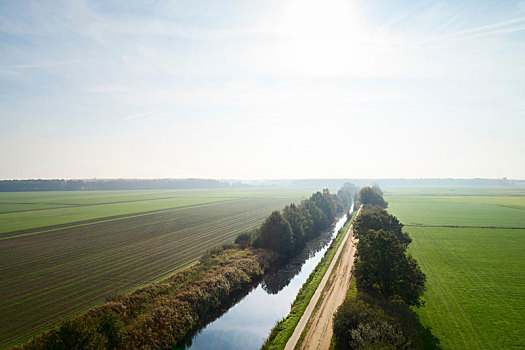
x: 62, y: 252
x: 476, y: 276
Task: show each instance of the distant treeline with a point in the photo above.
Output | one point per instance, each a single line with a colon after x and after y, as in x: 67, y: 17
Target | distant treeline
x: 336, y: 183
x: 113, y: 184
x: 164, y: 184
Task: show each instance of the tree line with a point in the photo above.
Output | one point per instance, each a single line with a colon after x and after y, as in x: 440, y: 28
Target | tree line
x: 287, y: 232
x: 389, y: 281
x: 109, y: 184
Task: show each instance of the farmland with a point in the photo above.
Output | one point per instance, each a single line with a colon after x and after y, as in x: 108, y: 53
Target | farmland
x: 62, y: 252
x: 476, y: 278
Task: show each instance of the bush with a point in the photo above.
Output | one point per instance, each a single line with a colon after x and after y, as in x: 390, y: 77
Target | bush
x: 71, y: 334
x: 113, y: 329
x: 244, y: 240
x: 363, y: 322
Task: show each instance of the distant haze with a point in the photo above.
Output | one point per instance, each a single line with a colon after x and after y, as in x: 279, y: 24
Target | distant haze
x: 262, y: 89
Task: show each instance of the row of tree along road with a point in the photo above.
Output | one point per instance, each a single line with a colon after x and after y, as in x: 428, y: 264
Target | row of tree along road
x: 389, y: 281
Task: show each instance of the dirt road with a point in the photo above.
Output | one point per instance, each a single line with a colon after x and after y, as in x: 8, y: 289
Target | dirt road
x: 319, y: 333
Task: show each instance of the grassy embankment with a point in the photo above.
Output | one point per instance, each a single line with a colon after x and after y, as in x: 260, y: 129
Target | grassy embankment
x: 476, y: 279
x: 53, y: 265
x: 284, y: 329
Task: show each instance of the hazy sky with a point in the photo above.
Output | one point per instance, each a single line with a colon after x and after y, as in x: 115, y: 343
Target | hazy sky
x: 262, y: 89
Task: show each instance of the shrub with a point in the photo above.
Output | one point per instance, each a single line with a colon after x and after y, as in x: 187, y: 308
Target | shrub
x: 363, y: 322
x: 70, y: 334
x: 244, y: 240
x: 111, y: 326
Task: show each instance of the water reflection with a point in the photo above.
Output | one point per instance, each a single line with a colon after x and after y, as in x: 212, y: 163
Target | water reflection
x: 275, y: 281
x: 248, y: 323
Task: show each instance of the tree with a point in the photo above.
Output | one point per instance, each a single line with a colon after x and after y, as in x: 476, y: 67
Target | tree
x: 343, y: 199
x: 370, y: 196
x: 308, y: 223
x: 376, y: 218
x: 379, y: 190
x: 318, y: 217
x: 325, y: 201
x: 297, y: 221
x: 276, y: 234
x: 382, y: 267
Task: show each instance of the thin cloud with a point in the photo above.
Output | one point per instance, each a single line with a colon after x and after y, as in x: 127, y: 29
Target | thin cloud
x: 504, y: 27
x: 278, y: 86
x: 149, y: 115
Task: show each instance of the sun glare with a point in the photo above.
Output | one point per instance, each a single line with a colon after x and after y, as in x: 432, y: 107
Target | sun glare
x: 323, y: 37
x: 318, y: 21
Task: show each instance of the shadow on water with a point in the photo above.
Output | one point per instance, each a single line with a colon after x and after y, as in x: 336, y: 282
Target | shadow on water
x: 275, y: 281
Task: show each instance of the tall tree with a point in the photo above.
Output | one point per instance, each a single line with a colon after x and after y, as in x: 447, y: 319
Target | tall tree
x: 376, y: 218
x: 276, y: 234
x: 319, y: 219
x: 297, y: 221
x: 382, y: 267
x: 343, y: 199
x: 325, y: 201
x: 379, y: 190
x: 370, y: 196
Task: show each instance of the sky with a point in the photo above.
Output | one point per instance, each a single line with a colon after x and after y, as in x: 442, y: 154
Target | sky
x: 272, y: 89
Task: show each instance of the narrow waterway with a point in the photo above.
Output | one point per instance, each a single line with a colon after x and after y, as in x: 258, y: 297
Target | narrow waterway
x: 247, y: 324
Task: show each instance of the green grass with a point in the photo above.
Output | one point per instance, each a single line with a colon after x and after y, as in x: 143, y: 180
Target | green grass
x: 504, y: 211
x: 66, y: 207
x: 284, y: 329
x: 53, y: 273
x: 476, y: 276
x: 455, y: 190
x: 476, y: 284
